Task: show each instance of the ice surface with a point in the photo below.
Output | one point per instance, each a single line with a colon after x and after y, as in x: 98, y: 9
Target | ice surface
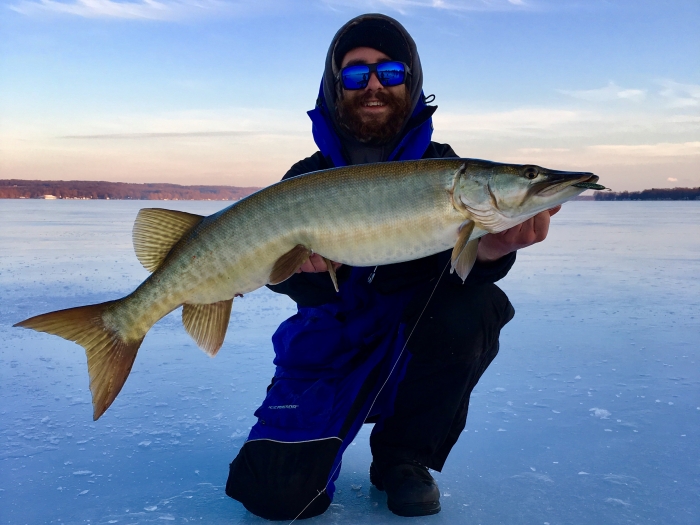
x: 590, y: 413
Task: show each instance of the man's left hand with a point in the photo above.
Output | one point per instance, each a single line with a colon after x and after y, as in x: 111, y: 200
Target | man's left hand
x: 496, y: 245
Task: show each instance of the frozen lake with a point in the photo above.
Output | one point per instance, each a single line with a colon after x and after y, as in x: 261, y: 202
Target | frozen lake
x: 590, y: 413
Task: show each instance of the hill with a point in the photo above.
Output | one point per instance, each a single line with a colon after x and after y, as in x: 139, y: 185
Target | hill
x: 81, y: 189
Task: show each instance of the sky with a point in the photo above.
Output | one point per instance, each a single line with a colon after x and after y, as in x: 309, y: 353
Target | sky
x: 216, y: 91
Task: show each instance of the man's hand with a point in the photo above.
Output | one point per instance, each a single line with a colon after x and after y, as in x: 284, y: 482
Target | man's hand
x: 534, y: 230
x: 316, y: 264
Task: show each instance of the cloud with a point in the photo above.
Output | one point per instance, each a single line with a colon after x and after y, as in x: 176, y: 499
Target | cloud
x: 518, y: 121
x: 673, y: 94
x: 627, y: 124
x: 531, y: 151
x: 224, y: 122
x: 672, y: 179
x: 403, y: 6
x: 239, y: 146
x: 687, y: 153
x: 608, y: 93
x: 138, y: 9
x: 168, y: 135
x: 685, y: 119
x: 680, y: 95
x: 647, y: 151
x: 184, y: 9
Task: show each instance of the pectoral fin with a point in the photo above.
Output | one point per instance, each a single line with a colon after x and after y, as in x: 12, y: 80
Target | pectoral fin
x: 207, y: 324
x: 464, y: 252
x: 331, y: 270
x: 289, y: 263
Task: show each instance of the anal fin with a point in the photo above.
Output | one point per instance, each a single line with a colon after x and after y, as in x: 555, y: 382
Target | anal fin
x: 289, y: 263
x: 207, y: 324
x: 465, y: 251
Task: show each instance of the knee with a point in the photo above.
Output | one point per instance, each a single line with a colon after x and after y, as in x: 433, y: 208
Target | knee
x: 282, y: 481
x: 462, y: 323
x: 484, y: 307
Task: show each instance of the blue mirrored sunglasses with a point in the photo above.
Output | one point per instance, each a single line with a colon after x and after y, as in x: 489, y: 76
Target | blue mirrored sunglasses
x: 388, y: 73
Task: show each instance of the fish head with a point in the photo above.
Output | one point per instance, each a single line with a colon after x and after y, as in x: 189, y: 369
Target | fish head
x: 499, y: 196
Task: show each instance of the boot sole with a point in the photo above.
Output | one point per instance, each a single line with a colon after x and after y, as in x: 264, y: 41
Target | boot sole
x: 407, y: 510
x: 413, y: 510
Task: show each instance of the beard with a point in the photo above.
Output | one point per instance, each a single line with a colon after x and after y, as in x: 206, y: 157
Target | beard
x: 378, y: 129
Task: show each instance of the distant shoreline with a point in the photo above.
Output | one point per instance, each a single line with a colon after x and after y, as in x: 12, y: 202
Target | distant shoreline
x: 102, y: 190
x: 654, y: 194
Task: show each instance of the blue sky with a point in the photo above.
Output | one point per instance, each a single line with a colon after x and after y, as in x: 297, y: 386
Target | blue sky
x: 215, y: 91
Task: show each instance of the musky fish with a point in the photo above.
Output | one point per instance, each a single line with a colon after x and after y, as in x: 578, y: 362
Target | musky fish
x: 366, y: 215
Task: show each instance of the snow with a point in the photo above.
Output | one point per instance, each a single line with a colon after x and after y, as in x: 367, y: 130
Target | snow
x: 582, y: 417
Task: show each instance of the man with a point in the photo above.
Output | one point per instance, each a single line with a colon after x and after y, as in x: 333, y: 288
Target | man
x: 401, y: 345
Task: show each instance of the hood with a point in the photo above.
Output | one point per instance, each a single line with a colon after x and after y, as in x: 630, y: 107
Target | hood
x: 355, y: 151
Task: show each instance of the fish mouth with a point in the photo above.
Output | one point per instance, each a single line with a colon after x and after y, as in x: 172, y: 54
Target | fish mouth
x: 557, y: 181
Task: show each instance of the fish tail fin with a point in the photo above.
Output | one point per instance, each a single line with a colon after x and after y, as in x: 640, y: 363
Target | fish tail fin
x: 109, y: 356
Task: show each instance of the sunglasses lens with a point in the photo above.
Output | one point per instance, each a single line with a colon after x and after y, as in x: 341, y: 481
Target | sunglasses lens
x: 355, y: 77
x: 391, y: 73
x: 388, y: 73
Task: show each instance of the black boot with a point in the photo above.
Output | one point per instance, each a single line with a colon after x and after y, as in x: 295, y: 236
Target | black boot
x: 410, y: 489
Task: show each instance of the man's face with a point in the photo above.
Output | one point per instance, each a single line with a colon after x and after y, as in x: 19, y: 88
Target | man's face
x: 376, y: 113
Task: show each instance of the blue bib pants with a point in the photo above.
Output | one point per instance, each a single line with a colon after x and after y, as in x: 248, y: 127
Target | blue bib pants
x: 353, y: 361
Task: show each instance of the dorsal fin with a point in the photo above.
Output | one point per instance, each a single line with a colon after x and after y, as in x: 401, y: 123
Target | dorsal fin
x: 207, y: 324
x: 156, y: 231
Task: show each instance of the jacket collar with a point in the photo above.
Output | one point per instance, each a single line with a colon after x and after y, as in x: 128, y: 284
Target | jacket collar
x: 412, y: 146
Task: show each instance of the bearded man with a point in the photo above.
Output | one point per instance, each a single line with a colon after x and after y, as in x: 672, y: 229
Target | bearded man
x: 374, y: 352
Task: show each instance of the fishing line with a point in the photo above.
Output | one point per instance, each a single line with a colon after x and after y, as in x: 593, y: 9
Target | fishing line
x: 396, y: 362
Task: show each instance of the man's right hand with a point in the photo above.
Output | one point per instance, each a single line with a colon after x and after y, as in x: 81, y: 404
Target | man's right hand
x: 316, y: 264
x: 496, y: 245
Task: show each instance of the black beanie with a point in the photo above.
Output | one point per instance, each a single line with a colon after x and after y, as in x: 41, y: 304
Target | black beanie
x: 375, y: 33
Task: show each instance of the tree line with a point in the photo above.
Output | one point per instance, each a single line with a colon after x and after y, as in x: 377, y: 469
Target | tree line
x: 79, y: 189
x: 654, y: 194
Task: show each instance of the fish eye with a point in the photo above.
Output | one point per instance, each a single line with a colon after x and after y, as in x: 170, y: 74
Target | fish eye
x: 530, y: 173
